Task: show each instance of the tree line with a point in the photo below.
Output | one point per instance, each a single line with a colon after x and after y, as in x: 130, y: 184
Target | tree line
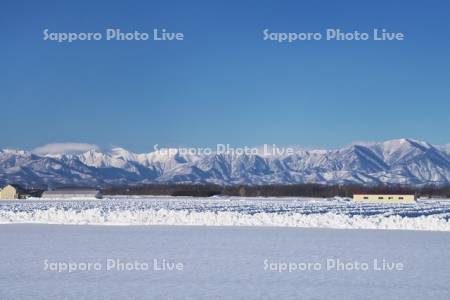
x: 294, y: 190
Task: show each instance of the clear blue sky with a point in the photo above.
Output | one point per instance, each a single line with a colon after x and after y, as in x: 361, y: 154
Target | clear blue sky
x: 223, y: 83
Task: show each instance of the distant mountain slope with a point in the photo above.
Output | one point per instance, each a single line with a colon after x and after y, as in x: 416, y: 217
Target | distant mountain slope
x: 403, y: 161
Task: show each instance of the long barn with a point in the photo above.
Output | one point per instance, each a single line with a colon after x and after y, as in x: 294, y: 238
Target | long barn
x: 407, y: 198
x: 71, y: 193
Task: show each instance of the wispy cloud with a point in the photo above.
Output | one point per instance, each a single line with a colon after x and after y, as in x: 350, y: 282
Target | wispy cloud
x: 64, y: 148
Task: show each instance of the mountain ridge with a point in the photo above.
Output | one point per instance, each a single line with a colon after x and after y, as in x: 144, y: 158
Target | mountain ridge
x: 402, y: 161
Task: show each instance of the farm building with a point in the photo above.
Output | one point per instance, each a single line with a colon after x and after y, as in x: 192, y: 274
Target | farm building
x: 13, y: 191
x: 72, y: 193
x: 384, y: 198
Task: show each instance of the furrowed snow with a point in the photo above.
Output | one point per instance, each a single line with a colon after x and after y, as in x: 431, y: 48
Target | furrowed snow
x: 287, y: 212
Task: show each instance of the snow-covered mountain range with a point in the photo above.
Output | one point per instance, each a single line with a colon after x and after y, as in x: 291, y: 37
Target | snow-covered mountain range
x: 403, y: 161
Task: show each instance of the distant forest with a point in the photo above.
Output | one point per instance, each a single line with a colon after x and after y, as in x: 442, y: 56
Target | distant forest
x: 295, y: 190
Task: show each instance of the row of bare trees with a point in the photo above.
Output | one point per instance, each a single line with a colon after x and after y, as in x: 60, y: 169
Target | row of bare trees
x: 295, y: 190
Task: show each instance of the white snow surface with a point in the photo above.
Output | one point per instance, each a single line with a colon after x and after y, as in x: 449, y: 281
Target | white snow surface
x: 221, y: 263
x: 338, y: 213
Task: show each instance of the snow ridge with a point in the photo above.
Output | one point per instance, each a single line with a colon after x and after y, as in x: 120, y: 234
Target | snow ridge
x: 324, y: 213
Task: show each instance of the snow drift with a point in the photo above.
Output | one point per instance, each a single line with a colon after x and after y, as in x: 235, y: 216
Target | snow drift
x: 325, y: 213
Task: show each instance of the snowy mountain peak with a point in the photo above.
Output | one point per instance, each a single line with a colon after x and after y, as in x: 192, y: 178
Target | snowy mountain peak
x: 121, y: 153
x: 402, y: 161
x: 14, y: 152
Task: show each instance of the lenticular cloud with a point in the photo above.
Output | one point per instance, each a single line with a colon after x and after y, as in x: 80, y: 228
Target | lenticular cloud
x: 64, y: 148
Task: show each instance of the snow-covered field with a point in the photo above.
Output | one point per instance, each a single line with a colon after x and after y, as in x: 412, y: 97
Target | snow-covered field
x: 243, y: 254
x: 220, y: 262
x: 291, y: 212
